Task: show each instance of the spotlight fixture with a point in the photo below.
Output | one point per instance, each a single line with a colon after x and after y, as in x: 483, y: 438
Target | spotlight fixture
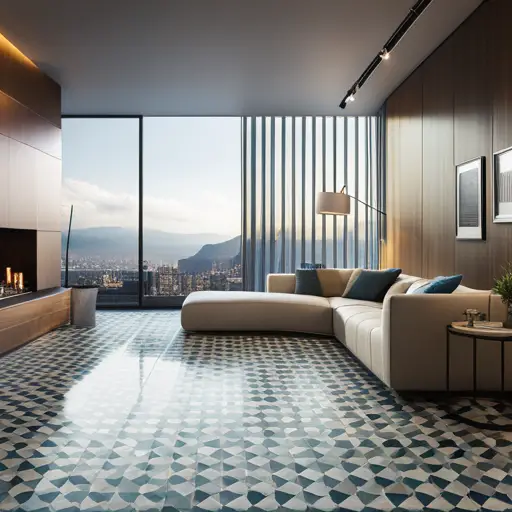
x: 414, y: 13
x: 349, y: 98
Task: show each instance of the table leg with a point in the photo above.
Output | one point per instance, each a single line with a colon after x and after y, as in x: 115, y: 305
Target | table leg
x: 474, y: 368
x: 455, y: 414
x: 447, y: 360
x: 502, y: 366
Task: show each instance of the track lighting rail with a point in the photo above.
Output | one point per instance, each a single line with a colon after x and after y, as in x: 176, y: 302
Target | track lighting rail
x: 414, y: 13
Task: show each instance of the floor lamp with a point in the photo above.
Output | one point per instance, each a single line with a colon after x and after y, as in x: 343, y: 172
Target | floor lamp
x: 338, y: 203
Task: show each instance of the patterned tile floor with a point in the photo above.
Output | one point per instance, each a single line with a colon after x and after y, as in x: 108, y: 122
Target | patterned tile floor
x: 137, y: 415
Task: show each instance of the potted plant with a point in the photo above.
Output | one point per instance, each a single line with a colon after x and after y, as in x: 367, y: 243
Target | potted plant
x: 503, y: 287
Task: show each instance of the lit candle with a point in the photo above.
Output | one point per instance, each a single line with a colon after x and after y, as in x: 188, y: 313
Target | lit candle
x: 8, y: 276
x: 16, y: 277
x: 20, y: 281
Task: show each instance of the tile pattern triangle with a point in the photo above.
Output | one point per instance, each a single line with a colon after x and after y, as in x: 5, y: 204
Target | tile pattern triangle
x: 137, y: 415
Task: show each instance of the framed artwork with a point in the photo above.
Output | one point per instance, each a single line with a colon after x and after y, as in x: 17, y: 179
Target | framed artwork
x: 502, y: 186
x: 470, y: 198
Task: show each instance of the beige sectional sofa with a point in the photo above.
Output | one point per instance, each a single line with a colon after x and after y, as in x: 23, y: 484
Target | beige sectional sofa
x: 401, y: 340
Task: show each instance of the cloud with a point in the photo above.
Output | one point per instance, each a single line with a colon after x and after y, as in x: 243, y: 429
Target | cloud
x: 95, y: 206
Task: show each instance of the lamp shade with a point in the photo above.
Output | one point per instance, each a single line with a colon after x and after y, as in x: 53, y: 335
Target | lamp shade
x: 332, y: 203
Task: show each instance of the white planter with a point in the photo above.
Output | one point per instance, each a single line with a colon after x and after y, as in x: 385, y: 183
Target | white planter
x: 83, y: 306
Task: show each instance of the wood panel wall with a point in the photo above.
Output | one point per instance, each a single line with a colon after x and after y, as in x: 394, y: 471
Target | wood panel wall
x: 455, y: 107
x: 23, y: 80
x: 30, y: 157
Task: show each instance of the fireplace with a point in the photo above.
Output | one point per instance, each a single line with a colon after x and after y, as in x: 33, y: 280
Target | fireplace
x: 18, y: 262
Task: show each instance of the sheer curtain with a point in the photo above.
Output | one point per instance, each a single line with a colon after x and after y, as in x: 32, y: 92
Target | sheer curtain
x: 285, y: 162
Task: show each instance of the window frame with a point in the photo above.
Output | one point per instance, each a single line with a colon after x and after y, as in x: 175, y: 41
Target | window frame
x: 144, y: 301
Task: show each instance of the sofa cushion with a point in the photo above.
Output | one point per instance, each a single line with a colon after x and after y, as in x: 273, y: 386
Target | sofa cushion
x: 281, y: 283
x: 353, y: 278
x: 441, y: 284
x: 379, y: 354
x: 307, y: 283
x: 334, y: 281
x: 362, y: 331
x: 339, y: 302
x: 416, y: 285
x: 373, y: 284
x: 353, y: 326
x: 401, y: 285
x: 256, y: 311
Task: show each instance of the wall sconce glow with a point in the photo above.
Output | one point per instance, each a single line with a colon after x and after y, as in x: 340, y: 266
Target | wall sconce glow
x: 13, y: 52
x: 384, y: 55
x: 351, y: 98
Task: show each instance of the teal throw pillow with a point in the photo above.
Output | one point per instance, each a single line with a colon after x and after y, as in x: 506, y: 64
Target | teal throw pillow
x: 307, y: 282
x: 441, y: 284
x: 373, y: 284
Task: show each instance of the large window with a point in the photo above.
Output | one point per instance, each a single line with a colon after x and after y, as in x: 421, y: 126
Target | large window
x: 188, y: 169
x: 101, y: 180
x: 191, y: 206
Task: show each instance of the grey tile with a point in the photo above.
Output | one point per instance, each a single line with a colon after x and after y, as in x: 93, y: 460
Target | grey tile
x: 138, y: 415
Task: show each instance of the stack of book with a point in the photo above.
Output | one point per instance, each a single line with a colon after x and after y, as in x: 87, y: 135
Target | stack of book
x: 487, y: 325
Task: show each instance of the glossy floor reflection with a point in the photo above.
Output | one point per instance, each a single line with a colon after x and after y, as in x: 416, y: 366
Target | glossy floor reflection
x: 137, y: 415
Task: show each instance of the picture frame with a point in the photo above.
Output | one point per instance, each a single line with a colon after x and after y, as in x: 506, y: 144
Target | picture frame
x: 502, y: 186
x: 470, y: 200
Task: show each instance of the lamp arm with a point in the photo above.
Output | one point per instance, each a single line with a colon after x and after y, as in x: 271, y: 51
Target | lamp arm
x: 343, y: 191
x: 369, y: 205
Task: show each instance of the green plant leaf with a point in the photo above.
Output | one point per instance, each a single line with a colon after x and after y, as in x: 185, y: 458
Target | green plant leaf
x: 503, y: 285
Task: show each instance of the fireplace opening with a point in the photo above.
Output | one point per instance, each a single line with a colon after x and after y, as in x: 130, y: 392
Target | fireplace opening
x: 18, y: 262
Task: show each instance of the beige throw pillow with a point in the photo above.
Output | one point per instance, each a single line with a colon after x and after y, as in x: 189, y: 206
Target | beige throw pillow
x: 352, y: 280
x: 401, y: 286
x: 333, y: 280
x: 418, y: 284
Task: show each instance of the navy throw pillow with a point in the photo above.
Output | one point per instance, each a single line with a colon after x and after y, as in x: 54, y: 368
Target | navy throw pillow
x: 307, y: 282
x: 441, y: 284
x: 373, y: 284
x: 311, y: 265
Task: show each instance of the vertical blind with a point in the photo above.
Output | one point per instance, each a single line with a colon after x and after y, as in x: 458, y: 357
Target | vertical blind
x: 285, y: 162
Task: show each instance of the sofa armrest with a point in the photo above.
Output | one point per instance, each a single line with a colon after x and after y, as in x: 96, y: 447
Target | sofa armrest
x: 414, y: 336
x: 281, y: 283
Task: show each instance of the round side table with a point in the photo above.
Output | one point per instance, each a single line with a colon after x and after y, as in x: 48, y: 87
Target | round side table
x: 503, y: 335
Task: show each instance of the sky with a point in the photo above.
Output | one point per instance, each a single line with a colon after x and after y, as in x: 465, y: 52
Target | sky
x: 192, y: 173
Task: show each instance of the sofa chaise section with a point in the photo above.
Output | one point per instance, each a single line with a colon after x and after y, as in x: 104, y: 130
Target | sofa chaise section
x: 256, y: 311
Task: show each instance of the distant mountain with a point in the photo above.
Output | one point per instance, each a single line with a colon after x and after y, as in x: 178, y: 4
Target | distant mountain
x: 222, y: 254
x: 122, y: 243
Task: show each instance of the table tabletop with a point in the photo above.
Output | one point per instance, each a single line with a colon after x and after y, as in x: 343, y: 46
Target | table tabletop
x: 498, y: 333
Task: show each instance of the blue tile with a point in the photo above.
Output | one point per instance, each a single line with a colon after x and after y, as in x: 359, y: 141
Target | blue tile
x: 136, y: 411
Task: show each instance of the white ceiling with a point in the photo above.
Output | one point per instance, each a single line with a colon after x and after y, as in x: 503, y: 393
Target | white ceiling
x: 223, y: 57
